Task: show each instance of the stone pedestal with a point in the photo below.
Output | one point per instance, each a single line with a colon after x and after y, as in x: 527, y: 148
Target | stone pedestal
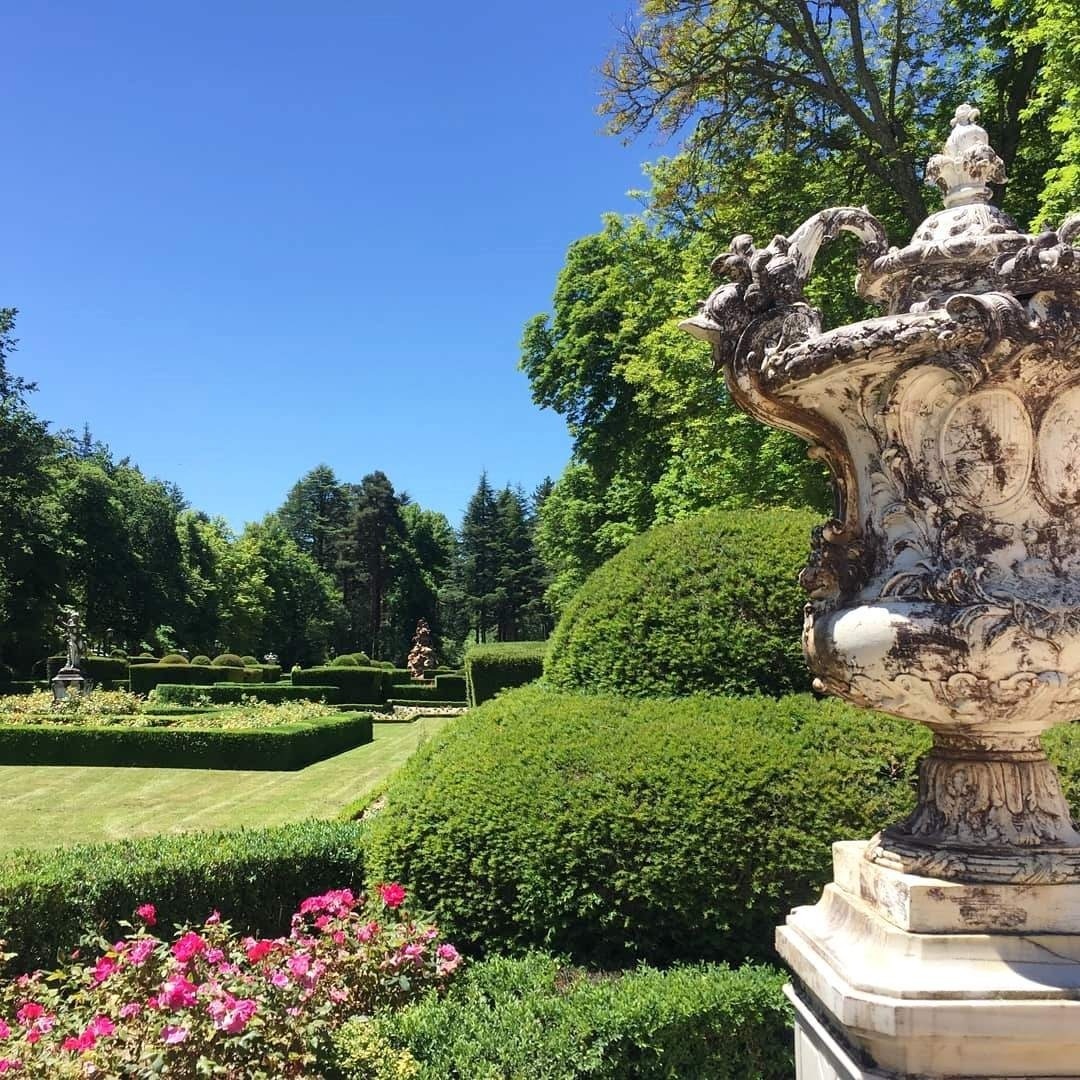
x: 906, y: 976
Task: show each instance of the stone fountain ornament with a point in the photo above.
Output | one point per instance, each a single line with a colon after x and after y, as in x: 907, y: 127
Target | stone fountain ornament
x: 945, y: 590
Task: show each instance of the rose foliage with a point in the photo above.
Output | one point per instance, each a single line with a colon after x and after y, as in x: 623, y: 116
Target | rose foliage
x: 209, y: 1002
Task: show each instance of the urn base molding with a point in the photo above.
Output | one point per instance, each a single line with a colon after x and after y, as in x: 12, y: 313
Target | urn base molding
x: 901, y: 976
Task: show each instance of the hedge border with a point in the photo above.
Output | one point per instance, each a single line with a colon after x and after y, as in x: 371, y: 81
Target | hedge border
x: 232, y: 693
x: 499, y: 666
x: 283, y: 749
x: 254, y: 877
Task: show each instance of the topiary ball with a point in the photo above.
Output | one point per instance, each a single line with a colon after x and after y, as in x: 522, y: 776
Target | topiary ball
x: 201, y: 661
x: 249, y: 661
x: 614, y: 830
x: 345, y: 660
x: 710, y: 604
x: 227, y: 660
x: 173, y: 658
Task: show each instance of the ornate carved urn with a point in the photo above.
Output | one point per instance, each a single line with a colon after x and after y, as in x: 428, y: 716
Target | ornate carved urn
x: 947, y: 588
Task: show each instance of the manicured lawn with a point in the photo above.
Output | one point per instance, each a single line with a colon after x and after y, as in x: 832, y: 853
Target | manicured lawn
x: 44, y: 805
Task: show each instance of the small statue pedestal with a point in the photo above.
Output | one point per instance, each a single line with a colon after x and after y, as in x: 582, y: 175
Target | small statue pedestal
x: 907, y: 976
x: 946, y: 591
x: 69, y: 681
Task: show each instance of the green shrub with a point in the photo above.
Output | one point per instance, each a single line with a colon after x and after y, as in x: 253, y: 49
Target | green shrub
x: 145, y: 677
x: 253, y: 877
x: 96, y: 668
x: 201, y: 660
x: 231, y: 693
x: 530, y: 1017
x: 448, y: 688
x: 142, y: 658
x: 502, y: 666
x: 227, y: 660
x: 613, y: 829
x: 271, y: 673
x: 368, y: 686
x: 174, y: 658
x: 281, y: 749
x: 345, y: 660
x: 710, y: 604
x: 250, y: 661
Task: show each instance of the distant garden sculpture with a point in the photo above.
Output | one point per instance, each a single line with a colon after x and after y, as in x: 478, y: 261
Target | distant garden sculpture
x: 70, y: 678
x: 945, y: 590
x: 421, y: 661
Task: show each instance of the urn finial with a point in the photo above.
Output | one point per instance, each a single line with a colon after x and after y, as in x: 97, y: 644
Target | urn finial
x: 968, y: 162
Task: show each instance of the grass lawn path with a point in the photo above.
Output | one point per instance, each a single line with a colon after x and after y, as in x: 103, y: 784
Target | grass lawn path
x: 45, y: 805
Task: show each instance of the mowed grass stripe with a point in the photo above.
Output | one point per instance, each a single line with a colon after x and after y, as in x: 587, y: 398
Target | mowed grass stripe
x: 45, y: 805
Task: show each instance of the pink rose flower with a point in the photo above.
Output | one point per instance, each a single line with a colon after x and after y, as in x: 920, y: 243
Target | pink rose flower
x: 171, y: 1035
x: 101, y: 1026
x: 393, y: 894
x: 279, y: 979
x: 368, y: 931
x: 10, y: 1065
x: 178, y: 993
x: 140, y: 952
x: 214, y: 918
x: 132, y: 1008
x: 256, y: 950
x: 105, y: 966
x: 298, y: 964
x: 148, y: 914
x: 5, y: 1031
x: 29, y: 1012
x: 188, y: 946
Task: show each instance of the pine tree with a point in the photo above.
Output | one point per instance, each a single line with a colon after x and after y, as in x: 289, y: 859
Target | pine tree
x: 480, y: 557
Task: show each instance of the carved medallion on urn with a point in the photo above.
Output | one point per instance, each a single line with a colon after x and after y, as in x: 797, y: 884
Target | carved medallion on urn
x: 947, y: 587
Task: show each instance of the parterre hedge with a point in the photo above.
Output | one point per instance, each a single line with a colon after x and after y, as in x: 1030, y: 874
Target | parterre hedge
x: 283, y: 748
x: 710, y: 604
x: 441, y: 688
x: 255, y: 877
x: 368, y: 686
x: 146, y: 677
x: 96, y: 668
x: 232, y: 693
x: 615, y: 830
x: 490, y: 669
x: 530, y: 1017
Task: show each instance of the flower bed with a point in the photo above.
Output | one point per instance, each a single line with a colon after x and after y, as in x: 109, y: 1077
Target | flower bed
x: 210, y: 1002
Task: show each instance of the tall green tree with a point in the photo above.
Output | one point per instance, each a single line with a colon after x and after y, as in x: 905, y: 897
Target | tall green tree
x: 30, y: 534
x: 368, y: 552
x: 315, y: 513
x: 480, y: 558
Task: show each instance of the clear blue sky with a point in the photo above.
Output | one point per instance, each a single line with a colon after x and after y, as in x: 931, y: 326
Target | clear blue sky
x: 245, y: 239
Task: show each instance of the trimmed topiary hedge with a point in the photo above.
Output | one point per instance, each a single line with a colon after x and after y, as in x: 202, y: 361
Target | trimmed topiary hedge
x: 615, y: 830
x: 174, y: 658
x: 228, y: 660
x: 502, y: 666
x: 530, y: 1017
x: 201, y: 660
x: 98, y: 669
x: 367, y: 686
x: 449, y: 688
x: 710, y: 604
x: 146, y: 677
x: 281, y: 749
x: 255, y: 878
x: 231, y: 693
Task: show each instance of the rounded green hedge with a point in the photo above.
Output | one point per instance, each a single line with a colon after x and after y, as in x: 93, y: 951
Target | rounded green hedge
x: 227, y: 660
x: 249, y: 661
x: 615, y: 830
x: 173, y: 658
x: 710, y: 604
x: 201, y: 660
x: 345, y: 660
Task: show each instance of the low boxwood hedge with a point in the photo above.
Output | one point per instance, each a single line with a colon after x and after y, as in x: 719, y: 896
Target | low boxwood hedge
x: 490, y: 669
x: 530, y: 1017
x: 96, y: 668
x: 368, y: 686
x: 231, y: 693
x: 280, y: 749
x: 147, y: 677
x: 442, y: 688
x: 254, y: 877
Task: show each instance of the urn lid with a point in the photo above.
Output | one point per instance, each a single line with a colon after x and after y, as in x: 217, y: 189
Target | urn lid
x: 960, y: 244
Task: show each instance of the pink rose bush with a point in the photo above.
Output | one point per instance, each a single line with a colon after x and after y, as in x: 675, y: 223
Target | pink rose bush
x: 211, y: 1002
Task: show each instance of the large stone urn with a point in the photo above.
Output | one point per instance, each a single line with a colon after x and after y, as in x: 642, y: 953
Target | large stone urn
x: 945, y: 590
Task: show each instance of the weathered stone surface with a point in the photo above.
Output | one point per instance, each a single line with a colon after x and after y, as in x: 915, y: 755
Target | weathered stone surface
x: 946, y: 589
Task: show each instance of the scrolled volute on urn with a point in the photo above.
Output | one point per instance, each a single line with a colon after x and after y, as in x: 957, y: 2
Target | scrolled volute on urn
x: 946, y: 589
